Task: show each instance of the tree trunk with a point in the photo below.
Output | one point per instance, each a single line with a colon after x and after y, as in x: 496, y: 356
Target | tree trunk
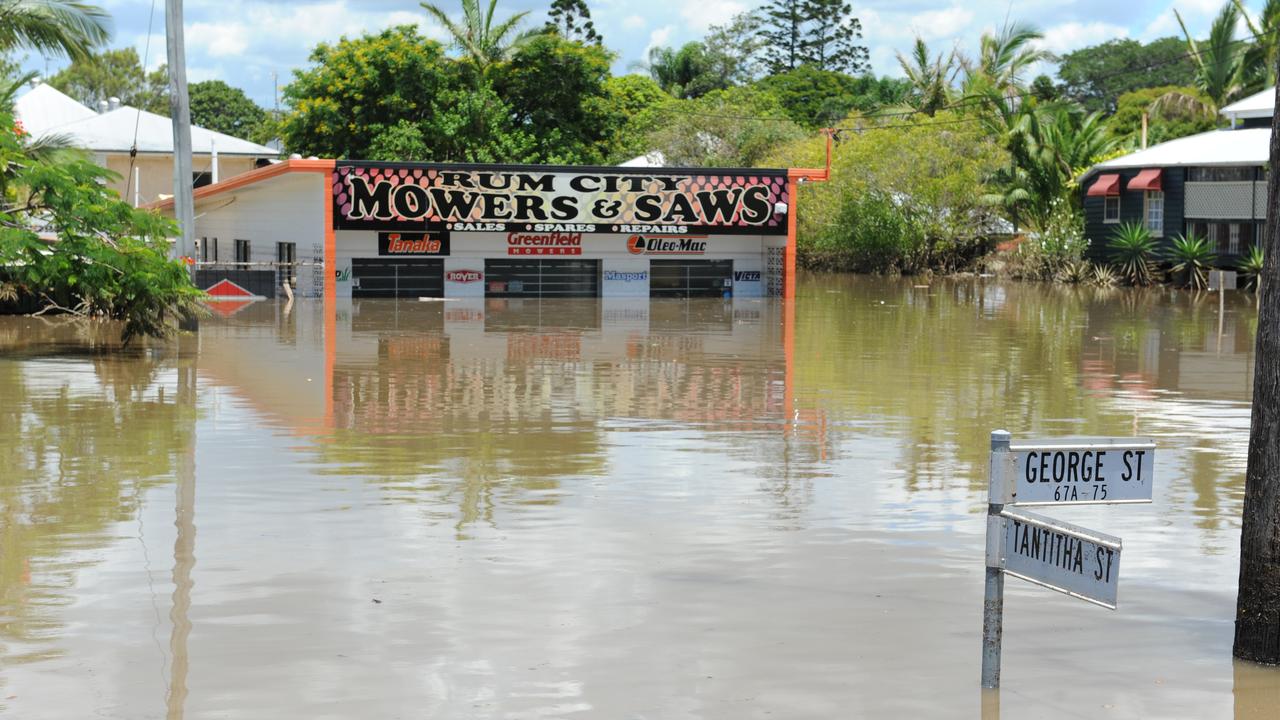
x: 1258, y: 604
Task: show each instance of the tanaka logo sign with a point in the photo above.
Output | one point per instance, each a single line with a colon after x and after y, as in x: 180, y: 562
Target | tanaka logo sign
x: 531, y: 199
x: 464, y: 276
x: 553, y: 243
x: 641, y: 245
x: 407, y: 243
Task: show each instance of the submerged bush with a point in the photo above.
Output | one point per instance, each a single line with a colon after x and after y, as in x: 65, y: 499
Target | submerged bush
x: 1192, y: 257
x: 1250, y: 267
x: 1132, y: 251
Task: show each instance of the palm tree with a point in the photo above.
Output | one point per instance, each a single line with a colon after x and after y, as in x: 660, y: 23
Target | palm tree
x: 1220, y: 70
x: 1002, y: 57
x: 56, y: 27
x: 930, y: 78
x: 479, y: 39
x: 1260, y: 57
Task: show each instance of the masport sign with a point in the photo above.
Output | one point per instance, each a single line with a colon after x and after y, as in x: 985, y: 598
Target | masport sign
x: 543, y: 200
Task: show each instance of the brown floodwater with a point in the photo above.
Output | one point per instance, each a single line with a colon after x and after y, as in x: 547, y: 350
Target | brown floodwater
x: 614, y: 509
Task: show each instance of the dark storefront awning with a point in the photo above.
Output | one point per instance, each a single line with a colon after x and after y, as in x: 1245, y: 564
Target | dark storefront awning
x: 1108, y: 184
x: 1148, y: 179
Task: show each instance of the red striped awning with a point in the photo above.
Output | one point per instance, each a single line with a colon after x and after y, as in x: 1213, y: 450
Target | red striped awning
x: 1108, y: 184
x: 1148, y: 179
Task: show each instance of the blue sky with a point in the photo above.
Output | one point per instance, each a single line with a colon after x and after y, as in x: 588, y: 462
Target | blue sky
x: 244, y: 41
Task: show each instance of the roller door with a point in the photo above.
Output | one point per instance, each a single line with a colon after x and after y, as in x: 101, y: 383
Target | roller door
x: 690, y: 278
x: 514, y: 278
x: 397, y: 277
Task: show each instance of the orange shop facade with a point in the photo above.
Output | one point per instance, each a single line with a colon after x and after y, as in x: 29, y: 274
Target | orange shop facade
x: 356, y: 229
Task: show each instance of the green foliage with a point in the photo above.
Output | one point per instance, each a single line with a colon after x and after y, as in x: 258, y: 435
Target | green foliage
x: 115, y: 73
x: 1057, y: 248
x: 817, y: 98
x: 358, y: 88
x: 1003, y: 58
x: 822, y: 33
x: 108, y: 259
x: 1104, y: 276
x: 556, y: 93
x: 1192, y: 258
x: 1219, y: 60
x: 1165, y: 121
x: 1250, y: 267
x: 900, y: 199
x: 929, y: 78
x: 736, y: 127
x: 685, y: 73
x: 572, y: 20
x: 402, y: 141
x: 218, y: 106
x: 636, y: 102
x: 480, y: 40
x: 53, y: 27
x: 1096, y: 76
x: 1132, y: 250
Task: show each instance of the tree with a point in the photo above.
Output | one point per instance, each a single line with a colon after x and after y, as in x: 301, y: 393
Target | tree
x: 115, y: 73
x: 1004, y: 56
x: 1263, y: 54
x: 1164, y: 123
x: 782, y: 33
x: 930, y: 78
x: 831, y: 40
x: 54, y: 27
x: 636, y: 103
x: 109, y: 260
x: 733, y: 50
x: 1096, y: 76
x: 1257, y: 635
x: 735, y: 127
x: 480, y: 41
x: 817, y: 98
x: 218, y: 106
x: 359, y: 87
x: 1220, y: 71
x: 685, y: 73
x: 572, y: 20
x: 556, y: 93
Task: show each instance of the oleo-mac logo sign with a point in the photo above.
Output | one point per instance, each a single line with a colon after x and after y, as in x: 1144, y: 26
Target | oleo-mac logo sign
x: 641, y: 245
x: 464, y: 276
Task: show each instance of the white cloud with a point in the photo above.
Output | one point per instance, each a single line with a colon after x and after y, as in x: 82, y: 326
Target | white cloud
x: 702, y: 14
x: 219, y: 39
x: 941, y: 23
x: 657, y: 38
x: 634, y: 22
x: 1073, y: 35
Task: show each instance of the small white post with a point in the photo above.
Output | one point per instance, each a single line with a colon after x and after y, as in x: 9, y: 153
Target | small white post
x: 993, y: 597
x: 137, y: 189
x: 213, y: 151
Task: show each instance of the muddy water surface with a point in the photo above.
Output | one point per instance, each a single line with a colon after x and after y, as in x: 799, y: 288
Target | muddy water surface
x: 618, y: 509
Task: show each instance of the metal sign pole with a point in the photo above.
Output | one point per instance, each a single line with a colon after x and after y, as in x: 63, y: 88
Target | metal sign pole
x: 993, y: 598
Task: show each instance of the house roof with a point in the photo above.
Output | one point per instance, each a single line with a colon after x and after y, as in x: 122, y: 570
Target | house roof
x: 1259, y: 104
x: 1216, y: 147
x: 113, y: 131
x: 43, y: 108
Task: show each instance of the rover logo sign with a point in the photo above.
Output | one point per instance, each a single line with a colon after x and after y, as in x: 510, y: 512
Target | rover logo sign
x: 687, y: 245
x: 413, y: 243
x: 464, y: 276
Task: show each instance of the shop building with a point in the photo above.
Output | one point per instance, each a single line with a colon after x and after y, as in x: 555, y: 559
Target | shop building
x: 354, y: 229
x: 1213, y: 184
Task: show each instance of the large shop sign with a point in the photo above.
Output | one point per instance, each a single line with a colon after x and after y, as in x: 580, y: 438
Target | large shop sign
x: 542, y: 201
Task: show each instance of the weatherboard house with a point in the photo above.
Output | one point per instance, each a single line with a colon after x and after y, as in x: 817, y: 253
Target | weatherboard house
x: 1212, y: 184
x: 114, y: 130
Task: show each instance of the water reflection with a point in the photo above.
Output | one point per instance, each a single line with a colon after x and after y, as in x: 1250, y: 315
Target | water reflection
x: 499, y: 508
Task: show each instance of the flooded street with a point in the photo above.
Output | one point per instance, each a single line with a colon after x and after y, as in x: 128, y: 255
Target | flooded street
x: 614, y: 509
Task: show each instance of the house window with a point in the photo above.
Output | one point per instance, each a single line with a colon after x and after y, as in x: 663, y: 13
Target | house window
x: 242, y: 251
x: 1233, y: 239
x: 1155, y: 212
x: 208, y: 249
x: 287, y: 256
x: 1111, y: 209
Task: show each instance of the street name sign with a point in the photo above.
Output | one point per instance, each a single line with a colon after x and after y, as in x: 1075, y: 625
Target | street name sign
x: 1080, y: 472
x: 1060, y: 556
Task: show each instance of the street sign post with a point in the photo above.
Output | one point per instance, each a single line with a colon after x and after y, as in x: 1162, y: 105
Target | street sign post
x: 1081, y: 472
x: 1060, y: 556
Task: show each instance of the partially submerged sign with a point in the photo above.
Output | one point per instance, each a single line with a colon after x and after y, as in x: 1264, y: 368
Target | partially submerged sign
x: 1079, y: 472
x: 1060, y: 556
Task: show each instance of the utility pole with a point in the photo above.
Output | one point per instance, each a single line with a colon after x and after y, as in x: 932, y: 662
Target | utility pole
x: 1258, y: 604
x: 180, y: 110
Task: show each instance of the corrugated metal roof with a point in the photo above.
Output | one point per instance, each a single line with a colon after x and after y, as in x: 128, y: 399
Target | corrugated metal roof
x: 113, y: 131
x: 1260, y: 104
x: 43, y: 108
x: 1216, y: 147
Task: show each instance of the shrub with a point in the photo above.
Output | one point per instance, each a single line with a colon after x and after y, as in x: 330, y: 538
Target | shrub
x: 1132, y: 251
x: 1192, y: 258
x: 1250, y: 267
